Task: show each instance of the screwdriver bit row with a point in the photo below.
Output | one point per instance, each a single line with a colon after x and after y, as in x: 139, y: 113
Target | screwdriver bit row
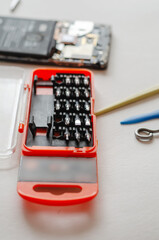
x: 71, y: 92
x: 69, y: 119
x: 71, y: 105
x: 70, y: 80
x: 72, y: 133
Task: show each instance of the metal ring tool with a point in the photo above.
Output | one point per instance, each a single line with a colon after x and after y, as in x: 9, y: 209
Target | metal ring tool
x: 145, y: 134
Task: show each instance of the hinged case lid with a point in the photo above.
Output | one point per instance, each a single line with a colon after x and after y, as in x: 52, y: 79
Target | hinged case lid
x: 11, y: 108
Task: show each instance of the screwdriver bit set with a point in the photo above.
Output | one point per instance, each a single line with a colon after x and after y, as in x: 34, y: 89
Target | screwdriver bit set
x: 72, y: 104
x: 61, y: 111
x: 59, y: 146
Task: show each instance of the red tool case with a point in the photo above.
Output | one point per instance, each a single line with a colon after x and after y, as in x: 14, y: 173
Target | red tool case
x: 59, y: 149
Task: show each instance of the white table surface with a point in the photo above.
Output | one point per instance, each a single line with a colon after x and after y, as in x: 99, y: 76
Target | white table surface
x: 127, y: 206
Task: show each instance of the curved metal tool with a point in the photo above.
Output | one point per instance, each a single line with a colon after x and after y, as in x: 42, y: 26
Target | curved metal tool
x: 145, y: 134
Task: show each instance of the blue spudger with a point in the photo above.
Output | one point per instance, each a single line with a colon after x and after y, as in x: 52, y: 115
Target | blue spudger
x: 141, y: 118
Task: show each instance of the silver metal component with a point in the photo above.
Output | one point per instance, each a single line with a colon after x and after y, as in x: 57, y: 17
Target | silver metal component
x: 88, y: 136
x: 67, y: 120
x: 77, y: 106
x: 145, y: 134
x: 57, y: 106
x: 77, y: 93
x: 80, y: 28
x: 77, y: 135
x: 77, y: 81
x: 87, y: 107
x: 77, y: 121
x: 86, y: 93
x: 84, y: 51
x: 67, y: 105
x: 68, y: 93
x: 67, y: 134
x: 58, y: 92
x: 68, y: 80
x: 87, y: 121
x: 68, y: 39
x: 86, y: 81
x: 60, y: 47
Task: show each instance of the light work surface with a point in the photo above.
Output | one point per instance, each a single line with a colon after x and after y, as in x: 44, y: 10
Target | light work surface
x: 127, y: 206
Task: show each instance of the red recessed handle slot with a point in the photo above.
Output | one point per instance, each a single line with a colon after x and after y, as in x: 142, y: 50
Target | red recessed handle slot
x: 57, y: 193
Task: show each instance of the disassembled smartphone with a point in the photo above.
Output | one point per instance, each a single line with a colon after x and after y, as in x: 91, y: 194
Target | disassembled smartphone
x: 64, y: 43
x: 59, y: 150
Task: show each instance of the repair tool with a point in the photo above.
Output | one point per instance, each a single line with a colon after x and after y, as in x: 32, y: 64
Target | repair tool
x: 141, y: 118
x: 145, y: 94
x: 14, y: 4
x: 59, y: 149
x: 145, y: 134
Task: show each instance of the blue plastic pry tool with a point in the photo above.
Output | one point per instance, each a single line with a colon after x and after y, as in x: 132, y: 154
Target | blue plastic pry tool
x: 141, y: 118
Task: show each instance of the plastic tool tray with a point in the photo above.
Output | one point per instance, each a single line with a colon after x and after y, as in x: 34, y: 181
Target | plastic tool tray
x: 61, y: 123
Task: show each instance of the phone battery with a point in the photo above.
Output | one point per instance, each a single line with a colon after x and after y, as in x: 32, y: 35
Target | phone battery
x: 26, y: 37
